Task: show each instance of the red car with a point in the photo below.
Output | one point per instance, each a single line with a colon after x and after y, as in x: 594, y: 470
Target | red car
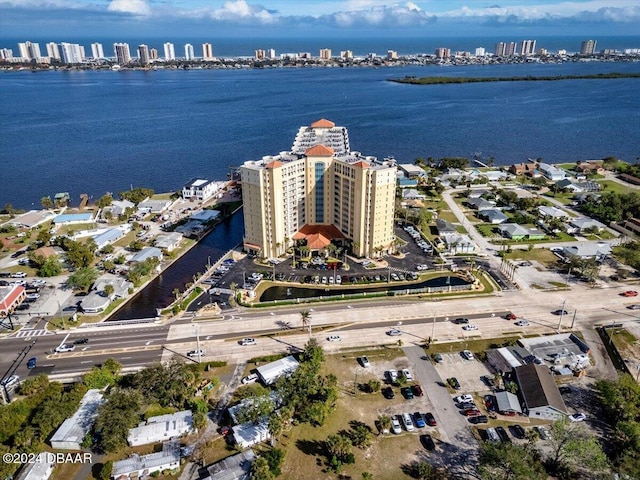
x: 630, y: 293
x: 511, y: 316
x: 471, y: 412
x: 417, y: 390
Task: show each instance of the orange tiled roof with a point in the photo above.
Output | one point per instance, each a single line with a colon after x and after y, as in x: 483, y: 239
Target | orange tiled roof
x: 11, y: 298
x: 318, y: 236
x: 323, y: 123
x: 274, y: 164
x: 361, y: 164
x: 319, y: 151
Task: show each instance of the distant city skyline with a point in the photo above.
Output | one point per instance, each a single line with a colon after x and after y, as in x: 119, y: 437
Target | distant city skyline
x: 251, y: 18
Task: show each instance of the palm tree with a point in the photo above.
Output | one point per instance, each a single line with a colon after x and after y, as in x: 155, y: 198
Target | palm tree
x: 46, y: 203
x: 305, y: 316
x: 276, y: 427
x: 176, y: 292
x: 384, y: 422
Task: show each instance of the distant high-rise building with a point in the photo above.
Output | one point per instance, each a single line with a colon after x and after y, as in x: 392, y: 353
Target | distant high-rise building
x: 143, y: 55
x: 97, y: 51
x: 188, y: 52
x: 588, y: 47
x: 443, y: 52
x: 121, y: 53
x: 504, y: 49
x: 392, y: 55
x: 153, y: 54
x: 6, y: 53
x: 169, y: 51
x: 207, y: 51
x: 53, y: 51
x: 346, y: 54
x: 71, y: 53
x: 480, y: 52
x: 325, y: 54
x: 29, y: 50
x: 527, y: 47
x: 259, y: 54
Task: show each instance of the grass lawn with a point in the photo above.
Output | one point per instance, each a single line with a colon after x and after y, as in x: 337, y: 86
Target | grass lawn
x: 564, y: 198
x: 603, y: 235
x: 611, y: 186
x: 304, y: 444
x: 448, y: 216
x: 626, y: 343
x: 487, y: 229
x: 476, y: 346
x: 65, y: 229
x: 540, y: 255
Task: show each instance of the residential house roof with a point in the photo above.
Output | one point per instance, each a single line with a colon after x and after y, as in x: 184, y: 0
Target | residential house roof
x: 170, y: 455
x: 319, y: 151
x: 585, y: 222
x: 588, y: 249
x: 73, y: 218
x: 445, y: 228
x: 235, y: 467
x: 412, y: 194
x: 162, y: 427
x: 411, y: 170
x: 205, y: 216
x: 553, y: 212
x: 270, y: 372
x: 73, y: 429
x: 323, y: 123
x: 32, y: 218
x: 494, y: 215
x: 480, y: 203
x: 538, y: 387
x: 513, y: 229
x: 508, y: 402
x: 145, y: 253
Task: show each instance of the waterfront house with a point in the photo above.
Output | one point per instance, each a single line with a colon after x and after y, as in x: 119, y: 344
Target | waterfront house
x: 153, y: 206
x: 552, y: 172
x: 145, y: 253
x: 412, y: 171
x: 527, y: 168
x: 168, y: 242
x: 411, y: 194
x: 200, y: 189
x: 32, y: 218
x: 117, y: 208
x: 494, y: 175
x: 590, y: 168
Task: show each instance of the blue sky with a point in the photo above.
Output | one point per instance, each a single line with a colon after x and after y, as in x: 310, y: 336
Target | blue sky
x: 340, y: 18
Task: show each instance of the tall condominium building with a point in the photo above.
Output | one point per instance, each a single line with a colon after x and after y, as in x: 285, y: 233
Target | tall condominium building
x: 443, y: 52
x: 143, y: 55
x: 29, y: 50
x: 97, y: 51
x: 392, y: 55
x: 53, y: 51
x: 505, y: 49
x: 480, y: 52
x: 71, y: 53
x: 346, y: 54
x: 6, y: 54
x: 169, y: 51
x: 317, y: 193
x: 188, y: 52
x: 588, y: 47
x: 153, y: 54
x: 325, y: 54
x: 527, y: 47
x: 121, y: 53
x: 207, y: 51
x: 259, y: 54
x: 271, y: 53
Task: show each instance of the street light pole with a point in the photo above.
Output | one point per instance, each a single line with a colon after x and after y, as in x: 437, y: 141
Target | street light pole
x: 561, y: 314
x: 198, y: 344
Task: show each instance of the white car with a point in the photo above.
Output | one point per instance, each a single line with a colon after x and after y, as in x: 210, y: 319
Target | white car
x: 250, y: 378
x: 7, y: 382
x: 248, y: 341
x: 394, y: 332
x: 407, y: 374
x: 334, y: 338
x: 463, y: 398
x: 492, y: 435
x: 395, y: 425
x: 577, y: 417
x: 393, y: 375
x: 471, y: 326
x: 365, y: 362
x: 33, y: 296
x: 468, y: 354
x: 338, y: 280
x: 408, y: 423
x: 65, y: 348
x: 522, y: 323
x: 18, y: 275
x: 195, y: 353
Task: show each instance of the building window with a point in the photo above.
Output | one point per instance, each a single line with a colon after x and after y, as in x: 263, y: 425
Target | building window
x: 319, y: 185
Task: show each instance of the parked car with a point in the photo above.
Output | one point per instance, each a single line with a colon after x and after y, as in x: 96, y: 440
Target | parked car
x: 65, y: 348
x: 510, y: 316
x: 81, y: 341
x: 437, y: 357
x: 476, y: 419
x: 407, y: 374
x: 408, y: 423
x: 470, y: 412
x: 463, y: 398
x: 395, y: 425
x: 628, y: 293
x: 502, y: 433
x: 489, y: 381
x: 394, y: 332
x: 543, y: 432
x: 461, y: 320
x: 560, y: 312
x: 418, y: 420
x: 407, y: 393
x: 469, y: 327
x: 467, y: 354
x: 13, y: 379
x: 364, y: 361
x: 577, y: 417
x: 430, y: 419
x: 517, y: 431
x: 634, y: 307
x: 427, y: 442
x: 492, y: 435
x: 388, y: 393
x: 417, y: 390
x: 393, y: 375
x: 195, y: 353
x: 250, y: 378
x: 522, y: 323
x: 334, y: 338
x: 248, y: 341
x: 455, y: 384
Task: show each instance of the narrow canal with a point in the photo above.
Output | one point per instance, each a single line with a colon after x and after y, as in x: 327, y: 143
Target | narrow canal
x: 159, y: 293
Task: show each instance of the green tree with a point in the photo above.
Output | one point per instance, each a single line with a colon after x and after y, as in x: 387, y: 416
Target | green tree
x: 573, y: 447
x: 384, y: 423
x: 260, y: 469
x: 112, y: 366
x: 305, y: 317
x: 508, y: 461
x: 105, y: 200
x: 105, y: 471
x: 98, y: 377
x: 50, y: 267
x: 426, y: 471
x: 44, y: 236
x: 339, y: 446
x: 373, y: 385
x: 275, y: 459
x: 82, y: 278
x: 108, y: 290
x: 115, y: 417
x: 199, y: 420
x: 46, y: 203
x: 276, y: 427
x: 136, y: 195
x: 360, y: 434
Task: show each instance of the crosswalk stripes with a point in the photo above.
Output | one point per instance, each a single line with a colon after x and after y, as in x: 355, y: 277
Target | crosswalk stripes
x: 32, y: 333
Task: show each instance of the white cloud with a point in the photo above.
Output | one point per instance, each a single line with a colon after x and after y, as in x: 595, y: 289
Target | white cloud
x: 394, y: 15
x: 135, y: 7
x: 234, y: 11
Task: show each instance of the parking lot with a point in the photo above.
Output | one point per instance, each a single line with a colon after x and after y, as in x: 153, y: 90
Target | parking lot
x: 468, y: 372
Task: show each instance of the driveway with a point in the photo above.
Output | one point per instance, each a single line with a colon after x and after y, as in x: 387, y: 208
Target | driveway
x: 458, y: 445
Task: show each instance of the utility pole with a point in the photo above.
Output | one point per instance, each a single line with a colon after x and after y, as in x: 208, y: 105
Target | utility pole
x: 573, y: 320
x: 561, y: 315
x: 198, y: 344
x: 433, y: 327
